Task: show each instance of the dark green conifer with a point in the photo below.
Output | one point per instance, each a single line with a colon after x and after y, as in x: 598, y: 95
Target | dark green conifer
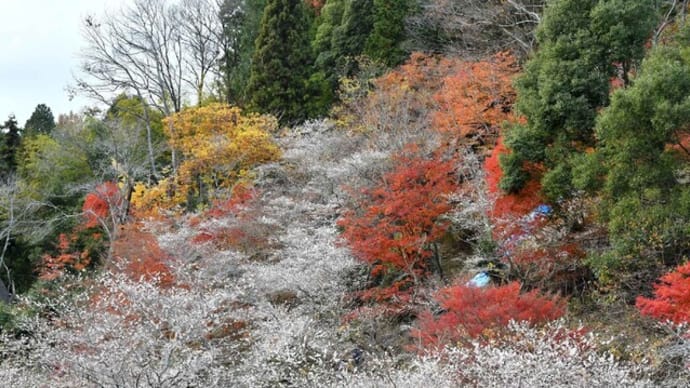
x: 41, y: 121
x: 384, y: 42
x: 282, y: 62
x: 11, y: 140
x: 241, y: 21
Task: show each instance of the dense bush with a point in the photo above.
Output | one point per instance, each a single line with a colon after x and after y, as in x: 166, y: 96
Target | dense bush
x: 671, y: 299
x: 469, y: 312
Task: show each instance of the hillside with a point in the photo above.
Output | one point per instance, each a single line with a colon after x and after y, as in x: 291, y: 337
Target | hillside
x: 272, y: 313
x: 367, y: 193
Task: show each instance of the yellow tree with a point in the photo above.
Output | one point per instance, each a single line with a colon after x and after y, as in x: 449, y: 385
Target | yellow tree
x: 218, y: 145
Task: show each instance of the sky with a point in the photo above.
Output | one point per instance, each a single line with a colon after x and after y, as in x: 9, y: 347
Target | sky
x: 39, y: 46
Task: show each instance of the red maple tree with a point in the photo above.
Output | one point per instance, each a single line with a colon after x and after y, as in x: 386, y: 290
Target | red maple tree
x: 396, y: 222
x: 99, y: 203
x: 508, y: 208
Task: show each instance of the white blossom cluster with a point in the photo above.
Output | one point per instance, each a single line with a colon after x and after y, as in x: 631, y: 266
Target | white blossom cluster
x: 122, y: 333
x: 233, y: 320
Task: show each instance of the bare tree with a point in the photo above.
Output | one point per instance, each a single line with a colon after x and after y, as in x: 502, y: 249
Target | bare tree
x: 17, y: 218
x: 123, y: 160
x: 476, y: 27
x: 202, y: 34
x: 671, y: 11
x: 157, y: 50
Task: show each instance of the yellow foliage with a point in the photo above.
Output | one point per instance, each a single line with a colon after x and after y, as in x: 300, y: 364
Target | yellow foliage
x: 217, y: 145
x: 147, y: 201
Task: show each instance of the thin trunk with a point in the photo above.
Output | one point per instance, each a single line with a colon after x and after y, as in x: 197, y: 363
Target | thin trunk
x: 436, y: 258
x: 149, y: 144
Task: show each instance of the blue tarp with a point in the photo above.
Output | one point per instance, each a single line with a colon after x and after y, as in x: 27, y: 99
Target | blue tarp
x: 543, y: 210
x: 479, y: 280
x: 539, y: 211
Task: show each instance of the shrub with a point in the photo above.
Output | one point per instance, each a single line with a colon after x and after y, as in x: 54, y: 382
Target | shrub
x: 471, y: 312
x: 102, y: 205
x: 139, y: 256
x: 671, y: 299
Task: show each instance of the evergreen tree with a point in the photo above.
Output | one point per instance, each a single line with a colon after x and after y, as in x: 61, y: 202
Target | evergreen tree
x: 641, y: 164
x: 282, y: 63
x: 567, y: 82
x: 241, y: 20
x: 342, y: 31
x: 350, y: 37
x: 384, y: 43
x: 41, y: 121
x: 10, y: 145
x: 330, y: 19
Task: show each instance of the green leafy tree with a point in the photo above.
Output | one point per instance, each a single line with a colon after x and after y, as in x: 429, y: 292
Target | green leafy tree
x: 567, y: 82
x: 282, y: 62
x: 342, y: 31
x: 41, y: 121
x: 384, y: 43
x: 642, y: 164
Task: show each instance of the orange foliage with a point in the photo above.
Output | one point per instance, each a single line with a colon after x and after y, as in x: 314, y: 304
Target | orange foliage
x: 682, y: 145
x: 97, y: 205
x: 67, y: 257
x: 400, y: 97
x: 671, y: 297
x: 470, y: 312
x: 315, y: 4
x: 477, y: 98
x: 421, y: 73
x: 140, y: 256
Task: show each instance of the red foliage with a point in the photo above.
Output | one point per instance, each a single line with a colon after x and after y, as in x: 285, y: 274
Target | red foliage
x: 75, y: 251
x: 140, y: 256
x: 203, y: 237
x: 67, y: 257
x: 315, y: 4
x: 508, y: 208
x: 249, y: 234
x: 242, y: 195
x: 478, y: 98
x: 396, y: 221
x: 671, y: 297
x: 471, y: 312
x: 97, y: 205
